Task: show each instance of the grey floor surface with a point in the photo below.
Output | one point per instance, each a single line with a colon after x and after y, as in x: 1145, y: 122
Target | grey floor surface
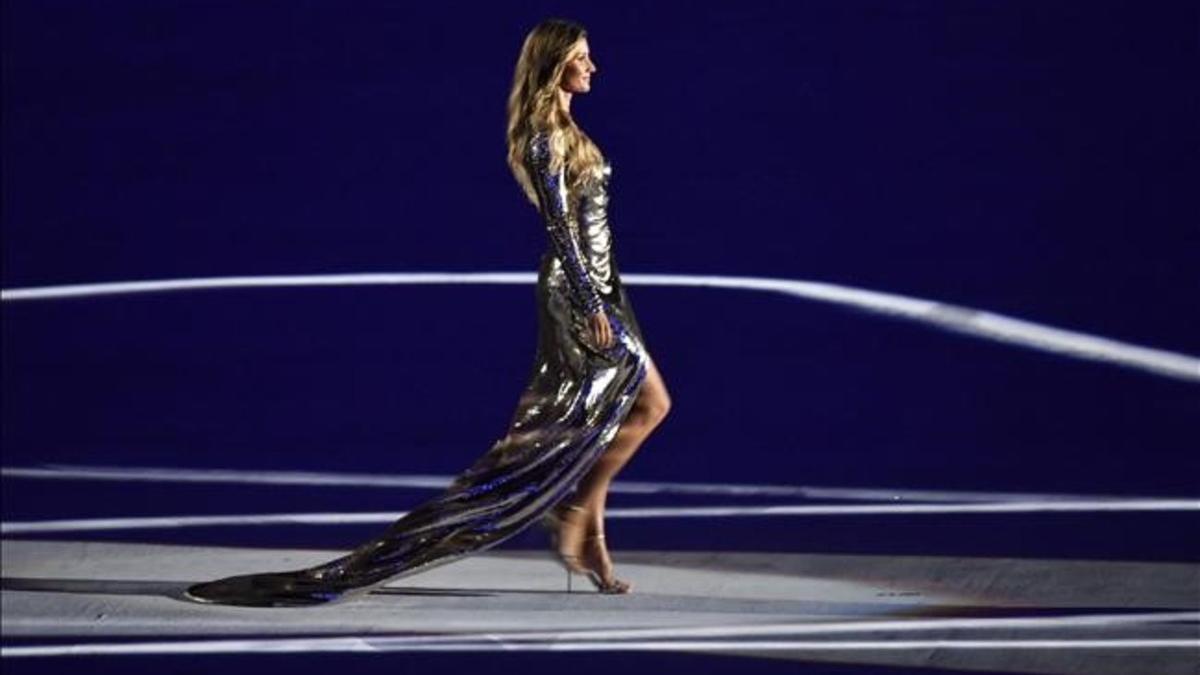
x: 1051, y: 616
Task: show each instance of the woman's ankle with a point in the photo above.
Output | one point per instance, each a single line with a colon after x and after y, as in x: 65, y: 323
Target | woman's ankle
x: 581, y: 516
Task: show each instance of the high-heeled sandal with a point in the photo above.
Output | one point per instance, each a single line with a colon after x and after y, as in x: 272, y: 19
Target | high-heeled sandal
x: 553, y: 521
x: 612, y: 585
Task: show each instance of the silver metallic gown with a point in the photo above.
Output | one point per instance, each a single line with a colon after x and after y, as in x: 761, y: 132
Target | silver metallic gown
x: 578, y: 395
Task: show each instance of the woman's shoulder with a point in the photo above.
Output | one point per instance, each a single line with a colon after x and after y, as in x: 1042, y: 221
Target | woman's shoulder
x: 541, y: 143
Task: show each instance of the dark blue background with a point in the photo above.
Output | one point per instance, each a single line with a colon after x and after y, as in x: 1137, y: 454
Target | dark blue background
x: 1038, y: 159
x: 1033, y: 158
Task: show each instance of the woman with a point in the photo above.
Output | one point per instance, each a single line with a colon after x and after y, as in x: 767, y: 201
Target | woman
x: 594, y: 394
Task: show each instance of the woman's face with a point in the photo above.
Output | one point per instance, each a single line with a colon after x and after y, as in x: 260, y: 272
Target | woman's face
x: 577, y: 75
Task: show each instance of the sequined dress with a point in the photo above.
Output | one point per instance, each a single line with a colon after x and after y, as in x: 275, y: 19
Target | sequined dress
x: 576, y: 398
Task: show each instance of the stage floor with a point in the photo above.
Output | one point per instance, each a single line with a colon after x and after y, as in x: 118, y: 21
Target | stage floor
x: 956, y: 613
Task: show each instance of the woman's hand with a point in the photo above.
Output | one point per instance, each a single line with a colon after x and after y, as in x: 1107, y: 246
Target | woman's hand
x: 601, y: 329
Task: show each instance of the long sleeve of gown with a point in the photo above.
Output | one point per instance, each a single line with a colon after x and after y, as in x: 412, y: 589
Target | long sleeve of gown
x: 550, y: 187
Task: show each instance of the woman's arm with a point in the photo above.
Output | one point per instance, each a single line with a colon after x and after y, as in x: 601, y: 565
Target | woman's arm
x: 564, y: 234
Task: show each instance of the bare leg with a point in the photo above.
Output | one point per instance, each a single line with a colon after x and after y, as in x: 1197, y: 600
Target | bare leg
x: 580, y: 529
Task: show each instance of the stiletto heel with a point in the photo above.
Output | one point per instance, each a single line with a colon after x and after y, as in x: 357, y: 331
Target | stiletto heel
x: 553, y: 522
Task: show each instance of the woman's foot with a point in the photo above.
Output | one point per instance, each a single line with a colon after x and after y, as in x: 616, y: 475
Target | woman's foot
x: 600, y: 567
x: 580, y: 543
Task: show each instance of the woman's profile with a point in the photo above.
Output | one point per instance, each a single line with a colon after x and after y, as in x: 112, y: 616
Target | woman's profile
x: 593, y: 396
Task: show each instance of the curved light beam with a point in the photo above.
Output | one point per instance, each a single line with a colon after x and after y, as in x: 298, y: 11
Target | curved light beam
x: 958, y: 318
x: 442, y: 481
x: 378, y: 644
x: 708, y: 637
x: 955, y: 318
x: 173, y: 522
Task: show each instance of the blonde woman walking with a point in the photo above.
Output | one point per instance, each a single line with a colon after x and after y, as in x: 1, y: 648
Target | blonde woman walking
x: 593, y: 397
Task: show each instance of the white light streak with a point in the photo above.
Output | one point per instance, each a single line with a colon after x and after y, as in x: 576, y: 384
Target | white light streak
x: 440, y: 482
x: 966, y: 320
x: 172, y: 522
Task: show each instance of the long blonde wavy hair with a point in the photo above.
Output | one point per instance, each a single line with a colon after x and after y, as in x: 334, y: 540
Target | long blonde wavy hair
x: 533, y: 105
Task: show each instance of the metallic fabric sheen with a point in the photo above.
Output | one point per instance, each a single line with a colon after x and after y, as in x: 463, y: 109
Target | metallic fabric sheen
x: 578, y: 395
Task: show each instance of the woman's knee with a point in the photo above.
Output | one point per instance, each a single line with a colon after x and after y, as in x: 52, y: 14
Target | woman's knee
x: 654, y: 399
x: 657, y: 407
x: 649, y: 410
